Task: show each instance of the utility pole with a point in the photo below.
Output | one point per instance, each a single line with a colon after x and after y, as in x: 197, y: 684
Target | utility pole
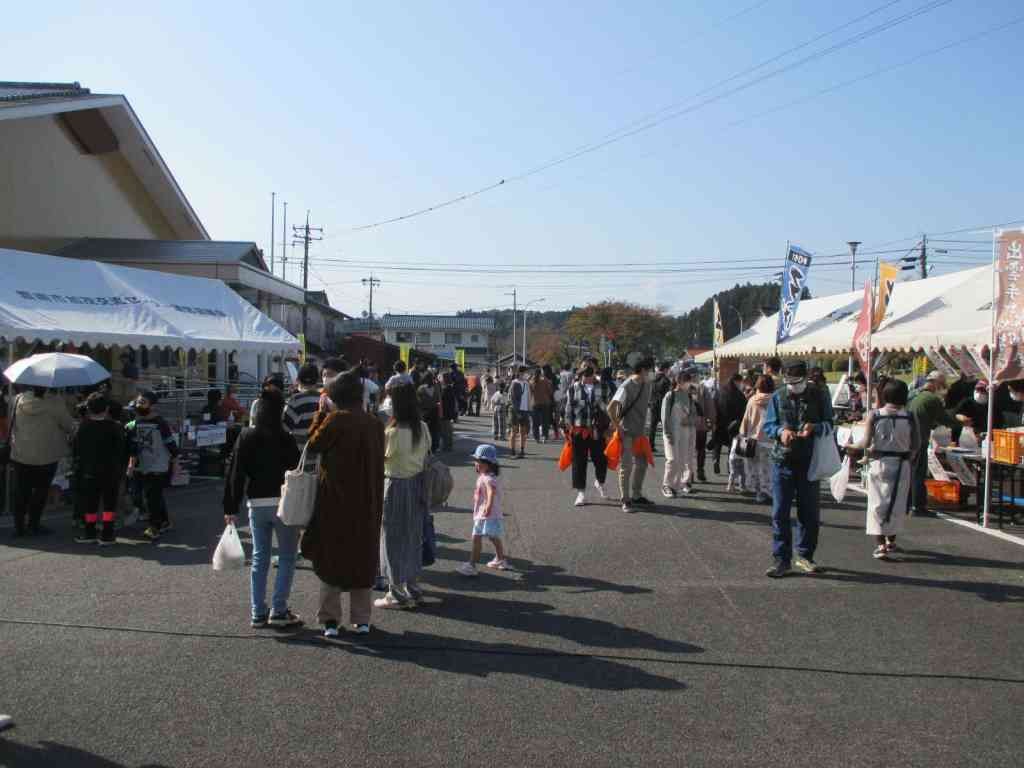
x: 273, y: 210
x: 371, y: 281
x: 284, y: 251
x: 924, y: 256
x: 305, y: 239
x: 513, y: 295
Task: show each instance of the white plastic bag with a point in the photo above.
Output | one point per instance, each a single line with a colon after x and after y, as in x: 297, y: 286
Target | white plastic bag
x: 840, y: 480
x: 825, y: 459
x: 968, y: 439
x: 229, y: 554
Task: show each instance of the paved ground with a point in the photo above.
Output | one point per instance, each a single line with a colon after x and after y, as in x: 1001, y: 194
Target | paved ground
x: 648, y: 639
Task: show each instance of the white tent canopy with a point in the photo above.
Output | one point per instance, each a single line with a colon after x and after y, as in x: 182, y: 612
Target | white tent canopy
x: 53, y: 299
x: 950, y: 310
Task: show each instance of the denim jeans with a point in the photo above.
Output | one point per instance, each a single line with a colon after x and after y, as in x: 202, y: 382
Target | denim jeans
x: 788, y: 485
x: 264, y: 524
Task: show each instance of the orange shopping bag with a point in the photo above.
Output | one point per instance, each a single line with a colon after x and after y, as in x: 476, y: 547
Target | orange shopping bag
x: 642, y: 449
x: 613, y: 452
x: 565, y: 457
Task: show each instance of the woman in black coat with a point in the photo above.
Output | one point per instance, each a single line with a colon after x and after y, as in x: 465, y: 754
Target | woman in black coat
x: 730, y: 408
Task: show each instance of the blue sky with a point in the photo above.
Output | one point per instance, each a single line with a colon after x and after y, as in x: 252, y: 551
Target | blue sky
x: 362, y: 112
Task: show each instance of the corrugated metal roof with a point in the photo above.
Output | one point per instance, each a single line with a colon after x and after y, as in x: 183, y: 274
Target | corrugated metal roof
x: 124, y: 251
x: 436, y: 323
x: 10, y: 91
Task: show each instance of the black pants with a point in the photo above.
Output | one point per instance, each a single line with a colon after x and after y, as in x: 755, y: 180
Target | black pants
x: 541, y: 421
x: 587, y: 448
x: 655, y: 421
x: 153, y: 492
x: 31, y: 485
x: 702, y: 449
x: 918, y: 489
x: 434, y: 425
x: 89, y: 492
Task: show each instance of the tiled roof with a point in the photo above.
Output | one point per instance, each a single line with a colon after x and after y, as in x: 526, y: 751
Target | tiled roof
x: 359, y: 325
x: 128, y: 251
x: 29, y: 91
x: 436, y: 323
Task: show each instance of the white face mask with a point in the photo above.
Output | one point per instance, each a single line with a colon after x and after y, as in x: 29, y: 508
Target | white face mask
x: 798, y: 387
x: 980, y: 397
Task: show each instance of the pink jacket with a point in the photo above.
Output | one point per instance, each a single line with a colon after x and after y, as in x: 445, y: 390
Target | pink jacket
x: 753, y: 418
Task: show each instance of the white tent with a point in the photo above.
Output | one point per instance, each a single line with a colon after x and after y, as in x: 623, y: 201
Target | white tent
x: 941, y: 311
x: 53, y: 299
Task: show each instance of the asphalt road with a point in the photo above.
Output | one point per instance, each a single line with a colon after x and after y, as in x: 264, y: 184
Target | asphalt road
x: 647, y: 639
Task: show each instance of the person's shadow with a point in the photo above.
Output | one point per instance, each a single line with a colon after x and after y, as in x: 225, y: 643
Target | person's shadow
x: 50, y: 754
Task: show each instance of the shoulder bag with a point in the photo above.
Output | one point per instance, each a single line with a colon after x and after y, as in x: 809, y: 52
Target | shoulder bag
x: 298, y: 494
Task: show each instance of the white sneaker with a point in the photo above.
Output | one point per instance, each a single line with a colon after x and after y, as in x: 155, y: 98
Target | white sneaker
x: 600, y: 490
x: 330, y: 631
x: 581, y: 499
x: 362, y: 629
x: 466, y: 569
x: 728, y: 486
x: 686, y: 490
x: 499, y: 565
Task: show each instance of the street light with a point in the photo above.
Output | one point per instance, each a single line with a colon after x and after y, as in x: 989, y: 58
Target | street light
x: 512, y: 293
x: 738, y: 316
x: 535, y: 301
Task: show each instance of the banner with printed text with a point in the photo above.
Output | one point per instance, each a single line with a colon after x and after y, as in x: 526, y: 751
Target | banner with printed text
x: 719, y: 328
x: 403, y: 353
x: 888, y: 274
x: 1009, y: 309
x: 794, y: 280
x: 862, y: 334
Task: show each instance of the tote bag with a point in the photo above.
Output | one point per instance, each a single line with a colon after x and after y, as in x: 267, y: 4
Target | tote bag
x: 825, y: 459
x: 298, y: 494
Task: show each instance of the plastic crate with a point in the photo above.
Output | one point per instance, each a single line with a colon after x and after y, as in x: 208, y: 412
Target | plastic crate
x: 1007, y: 446
x: 943, y: 491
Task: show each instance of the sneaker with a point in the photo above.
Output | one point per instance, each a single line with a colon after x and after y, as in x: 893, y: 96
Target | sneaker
x: 804, y: 564
x: 581, y: 499
x: 717, y: 468
x: 330, y: 630
x: 881, y: 552
x: 390, y: 601
x: 285, y: 620
x: 643, y: 501
x: 87, y: 536
x: 891, y: 548
x: 466, y: 569
x: 151, y: 533
x: 627, y: 507
x: 499, y: 565
x: 258, y: 623
x: 414, y: 592
x: 362, y: 629
x: 600, y: 489
x: 728, y: 486
x: 522, y: 454
x: 778, y: 570
x: 667, y: 492
x: 688, y: 490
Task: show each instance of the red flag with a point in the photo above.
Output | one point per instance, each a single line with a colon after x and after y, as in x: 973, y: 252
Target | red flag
x: 862, y: 335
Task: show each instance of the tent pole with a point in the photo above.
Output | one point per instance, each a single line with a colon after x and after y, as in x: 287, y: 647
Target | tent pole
x: 991, y: 390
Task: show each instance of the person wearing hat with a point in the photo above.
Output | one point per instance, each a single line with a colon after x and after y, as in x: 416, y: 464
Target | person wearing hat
x: 153, y: 451
x: 930, y: 411
x: 797, y: 413
x: 487, y: 513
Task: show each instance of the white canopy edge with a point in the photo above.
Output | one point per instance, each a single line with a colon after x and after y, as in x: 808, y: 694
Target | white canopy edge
x: 949, y: 310
x: 50, y: 299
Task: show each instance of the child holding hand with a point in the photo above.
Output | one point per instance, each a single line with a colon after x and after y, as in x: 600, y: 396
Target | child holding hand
x: 487, y: 517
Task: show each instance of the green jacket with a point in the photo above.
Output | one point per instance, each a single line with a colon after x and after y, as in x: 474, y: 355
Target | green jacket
x: 930, y: 412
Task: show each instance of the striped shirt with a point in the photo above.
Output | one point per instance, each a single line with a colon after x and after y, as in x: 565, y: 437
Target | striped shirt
x: 299, y: 413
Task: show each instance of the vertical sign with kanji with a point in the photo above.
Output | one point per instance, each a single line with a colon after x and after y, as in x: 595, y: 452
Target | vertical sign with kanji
x: 1009, y: 306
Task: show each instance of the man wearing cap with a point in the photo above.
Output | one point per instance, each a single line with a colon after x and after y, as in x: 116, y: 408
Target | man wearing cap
x: 930, y: 411
x: 797, y: 413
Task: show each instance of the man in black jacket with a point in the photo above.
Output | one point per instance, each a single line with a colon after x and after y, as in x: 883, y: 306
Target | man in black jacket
x: 659, y: 388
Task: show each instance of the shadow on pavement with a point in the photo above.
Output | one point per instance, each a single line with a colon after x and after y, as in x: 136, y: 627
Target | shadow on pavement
x: 990, y: 591
x: 49, y: 754
x: 540, y: 619
x: 469, y: 657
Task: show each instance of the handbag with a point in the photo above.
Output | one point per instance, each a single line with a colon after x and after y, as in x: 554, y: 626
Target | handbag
x: 825, y: 459
x: 298, y: 493
x: 746, y: 447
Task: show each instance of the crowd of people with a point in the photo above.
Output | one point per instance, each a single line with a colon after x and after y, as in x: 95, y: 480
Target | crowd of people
x: 371, y: 445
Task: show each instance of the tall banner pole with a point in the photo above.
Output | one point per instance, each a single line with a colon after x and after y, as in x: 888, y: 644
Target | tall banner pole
x: 992, y: 365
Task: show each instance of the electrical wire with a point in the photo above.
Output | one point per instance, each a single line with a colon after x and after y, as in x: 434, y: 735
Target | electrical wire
x: 671, y: 112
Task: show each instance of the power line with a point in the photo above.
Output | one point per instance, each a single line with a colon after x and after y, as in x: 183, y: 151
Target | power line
x: 671, y: 112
